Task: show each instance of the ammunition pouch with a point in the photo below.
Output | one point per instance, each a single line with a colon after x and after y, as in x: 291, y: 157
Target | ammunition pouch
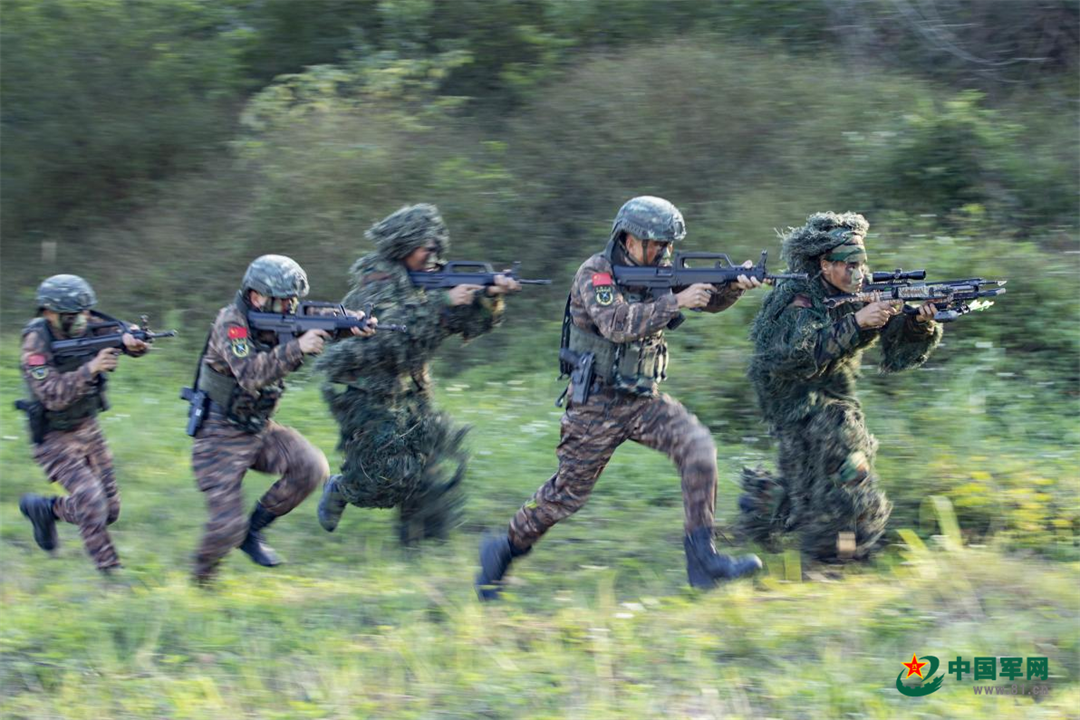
x: 248, y: 412
x: 635, y: 367
x: 85, y: 407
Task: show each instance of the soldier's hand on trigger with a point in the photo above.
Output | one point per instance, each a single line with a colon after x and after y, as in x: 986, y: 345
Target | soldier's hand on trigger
x: 876, y: 314
x: 311, y: 342
x: 747, y: 283
x: 503, y: 285
x: 695, y: 296
x: 105, y: 361
x: 367, y: 331
x: 463, y: 294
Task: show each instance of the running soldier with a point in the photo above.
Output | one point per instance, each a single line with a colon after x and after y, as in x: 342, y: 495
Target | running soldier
x: 399, y: 450
x: 243, y: 374
x: 623, y: 331
x: 66, y: 395
x: 806, y: 360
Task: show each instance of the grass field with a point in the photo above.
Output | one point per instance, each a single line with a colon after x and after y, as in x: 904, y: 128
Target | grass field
x: 598, y: 621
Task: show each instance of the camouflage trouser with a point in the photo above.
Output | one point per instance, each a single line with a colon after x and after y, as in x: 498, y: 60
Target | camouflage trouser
x: 222, y: 454
x: 80, y: 460
x: 828, y: 482
x: 590, y: 434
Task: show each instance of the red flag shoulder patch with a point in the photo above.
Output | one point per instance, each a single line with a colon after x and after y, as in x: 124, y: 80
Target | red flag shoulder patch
x: 601, y: 279
x: 237, y: 333
x: 36, y: 360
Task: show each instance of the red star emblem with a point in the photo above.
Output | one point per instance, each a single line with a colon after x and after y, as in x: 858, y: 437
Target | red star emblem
x: 914, y: 667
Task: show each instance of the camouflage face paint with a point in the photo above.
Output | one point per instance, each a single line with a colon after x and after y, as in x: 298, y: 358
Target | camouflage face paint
x: 284, y: 305
x: 71, y: 324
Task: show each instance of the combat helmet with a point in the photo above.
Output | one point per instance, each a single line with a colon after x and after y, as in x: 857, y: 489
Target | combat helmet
x: 649, y: 218
x: 65, y: 294
x: 275, y: 276
x: 411, y: 227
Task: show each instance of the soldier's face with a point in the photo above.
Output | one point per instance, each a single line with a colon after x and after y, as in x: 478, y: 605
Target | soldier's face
x: 421, y: 258
x: 273, y: 304
x: 284, y: 305
x: 645, y: 252
x: 845, y: 276
x: 69, y: 324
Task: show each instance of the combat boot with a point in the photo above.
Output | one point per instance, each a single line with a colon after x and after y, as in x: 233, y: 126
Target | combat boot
x: 331, y: 504
x: 253, y: 544
x: 39, y: 511
x: 496, y: 554
x: 705, y: 567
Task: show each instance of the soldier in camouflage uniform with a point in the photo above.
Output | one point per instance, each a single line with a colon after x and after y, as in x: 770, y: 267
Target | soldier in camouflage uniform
x: 624, y: 331
x: 66, y: 397
x: 399, y: 451
x: 806, y: 359
x: 243, y: 374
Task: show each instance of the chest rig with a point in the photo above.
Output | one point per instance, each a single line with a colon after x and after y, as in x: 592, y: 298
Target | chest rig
x: 88, y: 405
x: 634, y: 367
x: 247, y: 411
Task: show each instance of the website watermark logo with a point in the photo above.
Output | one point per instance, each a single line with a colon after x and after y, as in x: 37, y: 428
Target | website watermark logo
x: 985, y: 668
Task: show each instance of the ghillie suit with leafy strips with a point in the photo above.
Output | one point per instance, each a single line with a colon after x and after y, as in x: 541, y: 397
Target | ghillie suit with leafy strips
x: 399, y: 451
x: 804, y: 369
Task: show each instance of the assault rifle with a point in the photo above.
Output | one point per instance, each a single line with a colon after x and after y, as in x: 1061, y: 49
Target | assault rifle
x: 466, y: 272
x: 312, y: 315
x: 94, y: 341
x: 952, y: 298
x: 681, y: 274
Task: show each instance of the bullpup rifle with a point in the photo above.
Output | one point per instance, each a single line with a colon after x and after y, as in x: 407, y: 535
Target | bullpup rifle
x: 466, y: 272
x: 685, y: 270
x: 94, y: 340
x: 311, y: 315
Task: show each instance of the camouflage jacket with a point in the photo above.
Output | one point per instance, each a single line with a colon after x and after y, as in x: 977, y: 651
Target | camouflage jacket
x: 603, y: 308
x: 54, y: 387
x: 256, y: 363
x: 805, y: 354
x: 392, y: 362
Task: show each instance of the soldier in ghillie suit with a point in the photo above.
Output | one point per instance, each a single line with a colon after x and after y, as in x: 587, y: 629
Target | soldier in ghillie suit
x: 399, y: 451
x: 242, y: 372
x: 806, y: 359
x: 66, y: 395
x: 621, y: 331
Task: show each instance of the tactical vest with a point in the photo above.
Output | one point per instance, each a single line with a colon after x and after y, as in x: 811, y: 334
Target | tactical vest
x: 636, y: 367
x: 248, y: 412
x: 89, y: 405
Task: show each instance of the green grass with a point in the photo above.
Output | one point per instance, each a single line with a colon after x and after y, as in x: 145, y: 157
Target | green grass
x: 598, y: 621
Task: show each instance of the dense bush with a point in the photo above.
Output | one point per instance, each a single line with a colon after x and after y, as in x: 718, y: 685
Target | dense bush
x: 100, y: 97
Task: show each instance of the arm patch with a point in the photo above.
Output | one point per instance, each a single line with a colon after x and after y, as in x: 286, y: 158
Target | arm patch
x: 36, y: 360
x: 600, y: 279
x: 237, y: 333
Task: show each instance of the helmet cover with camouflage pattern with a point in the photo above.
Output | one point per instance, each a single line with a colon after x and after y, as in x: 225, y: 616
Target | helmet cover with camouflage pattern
x: 649, y: 218
x: 275, y: 276
x: 65, y: 294
x: 413, y: 226
x: 824, y: 232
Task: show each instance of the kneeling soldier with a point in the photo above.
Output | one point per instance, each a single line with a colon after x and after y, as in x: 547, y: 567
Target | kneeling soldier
x: 242, y: 373
x: 66, y: 395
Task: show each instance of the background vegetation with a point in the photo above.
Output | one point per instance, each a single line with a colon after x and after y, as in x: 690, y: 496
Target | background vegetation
x: 156, y: 147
